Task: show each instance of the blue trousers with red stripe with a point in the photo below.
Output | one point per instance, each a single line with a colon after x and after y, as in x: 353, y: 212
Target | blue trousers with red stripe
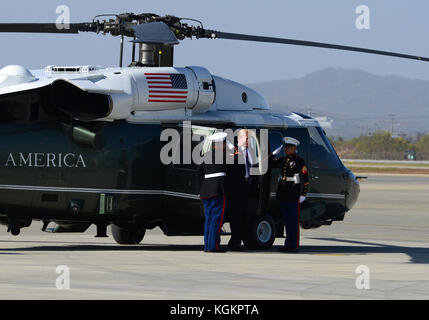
x: 214, y: 211
x: 290, y: 211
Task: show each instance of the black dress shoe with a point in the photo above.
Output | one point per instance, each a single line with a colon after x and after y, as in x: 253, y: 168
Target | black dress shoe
x: 289, y: 250
x: 236, y: 248
x: 217, y: 251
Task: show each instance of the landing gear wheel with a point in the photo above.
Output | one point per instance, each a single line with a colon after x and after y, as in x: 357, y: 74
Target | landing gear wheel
x: 127, y: 236
x: 15, y: 231
x: 261, y: 233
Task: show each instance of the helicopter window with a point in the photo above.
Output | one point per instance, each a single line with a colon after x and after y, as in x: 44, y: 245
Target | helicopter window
x: 275, y: 140
x: 199, y: 135
x: 322, y: 154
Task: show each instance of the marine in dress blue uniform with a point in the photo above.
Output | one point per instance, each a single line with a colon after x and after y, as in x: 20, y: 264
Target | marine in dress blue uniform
x: 291, y: 191
x: 211, y: 183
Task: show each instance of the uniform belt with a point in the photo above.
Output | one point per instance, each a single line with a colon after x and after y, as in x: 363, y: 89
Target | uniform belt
x: 214, y: 175
x: 295, y: 179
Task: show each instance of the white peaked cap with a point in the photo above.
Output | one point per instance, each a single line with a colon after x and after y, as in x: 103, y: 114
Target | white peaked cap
x: 218, y: 137
x: 292, y: 141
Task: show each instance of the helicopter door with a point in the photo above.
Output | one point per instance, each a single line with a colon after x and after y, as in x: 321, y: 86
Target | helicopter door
x: 275, y: 139
x: 259, y: 192
x: 181, y: 201
x: 326, y: 173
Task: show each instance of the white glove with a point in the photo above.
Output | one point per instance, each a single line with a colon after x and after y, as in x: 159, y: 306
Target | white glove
x: 229, y: 145
x: 301, y: 199
x: 277, y: 150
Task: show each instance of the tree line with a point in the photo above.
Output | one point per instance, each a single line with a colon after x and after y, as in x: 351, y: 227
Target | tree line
x: 382, y: 145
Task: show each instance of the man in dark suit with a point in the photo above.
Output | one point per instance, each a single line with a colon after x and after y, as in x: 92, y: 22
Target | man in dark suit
x: 240, y: 184
x: 211, y: 176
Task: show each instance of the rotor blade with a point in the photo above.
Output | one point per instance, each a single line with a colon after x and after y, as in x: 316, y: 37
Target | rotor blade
x: 43, y: 28
x: 245, y: 37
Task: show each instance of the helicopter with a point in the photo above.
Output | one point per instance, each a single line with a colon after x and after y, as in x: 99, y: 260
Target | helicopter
x: 80, y: 145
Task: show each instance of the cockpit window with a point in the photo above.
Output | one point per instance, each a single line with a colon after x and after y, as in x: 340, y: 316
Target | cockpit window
x: 322, y: 154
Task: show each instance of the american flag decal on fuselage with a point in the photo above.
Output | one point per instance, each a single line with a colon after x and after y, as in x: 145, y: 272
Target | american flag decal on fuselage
x: 167, y: 87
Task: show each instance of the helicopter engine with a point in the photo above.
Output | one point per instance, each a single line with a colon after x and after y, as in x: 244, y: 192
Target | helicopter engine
x: 192, y: 88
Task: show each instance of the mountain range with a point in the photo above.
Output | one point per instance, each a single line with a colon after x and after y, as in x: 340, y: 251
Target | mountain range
x: 357, y: 101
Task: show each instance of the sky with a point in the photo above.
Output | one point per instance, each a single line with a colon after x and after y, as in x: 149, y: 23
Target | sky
x: 395, y: 25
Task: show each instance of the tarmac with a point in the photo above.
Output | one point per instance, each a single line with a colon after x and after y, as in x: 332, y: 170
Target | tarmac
x: 380, y: 251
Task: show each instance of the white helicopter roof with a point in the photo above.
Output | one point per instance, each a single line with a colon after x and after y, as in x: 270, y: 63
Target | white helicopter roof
x: 230, y: 102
